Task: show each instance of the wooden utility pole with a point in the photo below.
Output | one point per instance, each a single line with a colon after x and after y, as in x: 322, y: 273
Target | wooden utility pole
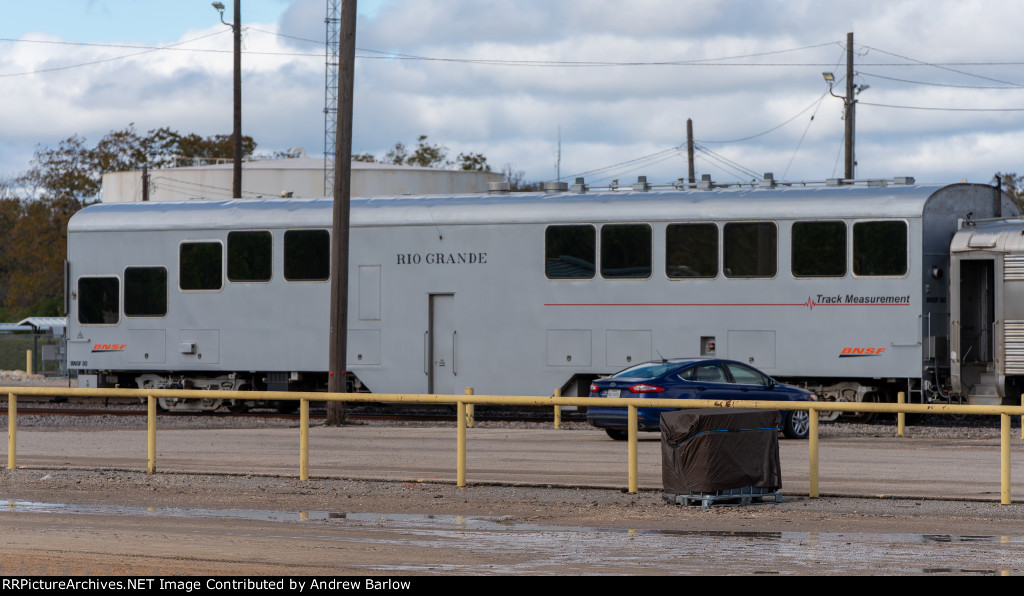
x: 689, y: 149
x: 850, y: 110
x: 342, y: 191
x: 236, y: 27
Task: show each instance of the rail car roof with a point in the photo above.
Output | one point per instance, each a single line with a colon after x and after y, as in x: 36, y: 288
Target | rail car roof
x: 596, y: 207
x: 1003, y: 235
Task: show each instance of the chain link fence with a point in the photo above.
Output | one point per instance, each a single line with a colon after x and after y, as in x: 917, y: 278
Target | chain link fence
x: 48, y: 353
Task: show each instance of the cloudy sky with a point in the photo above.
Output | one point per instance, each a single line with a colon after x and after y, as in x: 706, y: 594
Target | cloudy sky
x: 942, y: 98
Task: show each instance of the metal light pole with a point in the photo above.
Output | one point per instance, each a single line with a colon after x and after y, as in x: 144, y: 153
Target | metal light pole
x: 236, y: 29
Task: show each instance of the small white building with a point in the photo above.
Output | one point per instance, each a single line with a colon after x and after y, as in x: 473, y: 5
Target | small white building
x: 301, y: 177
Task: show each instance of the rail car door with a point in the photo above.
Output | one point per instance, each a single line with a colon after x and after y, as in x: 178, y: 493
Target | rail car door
x: 973, y: 329
x: 442, y: 366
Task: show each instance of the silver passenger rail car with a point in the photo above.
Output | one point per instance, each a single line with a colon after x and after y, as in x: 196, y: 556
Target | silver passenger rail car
x: 839, y: 288
x: 987, y: 311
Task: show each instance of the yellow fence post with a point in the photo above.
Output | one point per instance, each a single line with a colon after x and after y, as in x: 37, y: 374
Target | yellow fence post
x: 304, y: 439
x: 460, y: 446
x: 812, y: 457
x: 151, y: 433
x: 28, y: 362
x: 12, y: 431
x: 470, y: 411
x: 632, y: 450
x: 558, y: 410
x: 901, y: 418
x: 1004, y: 459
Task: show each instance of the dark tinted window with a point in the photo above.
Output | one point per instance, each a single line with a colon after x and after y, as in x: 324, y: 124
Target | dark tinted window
x: 145, y: 291
x: 98, y: 300
x: 249, y: 256
x: 307, y: 255
x: 880, y: 248
x: 704, y: 373
x: 819, y: 249
x: 744, y: 375
x: 691, y: 250
x: 626, y: 251
x: 569, y: 252
x: 750, y: 250
x: 200, y: 266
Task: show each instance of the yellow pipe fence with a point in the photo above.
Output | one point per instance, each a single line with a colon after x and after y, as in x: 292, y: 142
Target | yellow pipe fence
x: 469, y: 399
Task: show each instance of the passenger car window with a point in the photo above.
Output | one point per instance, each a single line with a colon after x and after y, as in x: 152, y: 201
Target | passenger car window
x: 750, y: 249
x: 307, y: 255
x: 691, y: 251
x: 626, y: 251
x: 200, y: 266
x: 708, y: 373
x: 819, y: 249
x: 570, y: 252
x: 249, y: 256
x: 98, y: 300
x: 880, y: 248
x: 743, y: 375
x: 145, y: 291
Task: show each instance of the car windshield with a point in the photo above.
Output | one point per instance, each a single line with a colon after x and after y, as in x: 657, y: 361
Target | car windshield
x: 647, y: 370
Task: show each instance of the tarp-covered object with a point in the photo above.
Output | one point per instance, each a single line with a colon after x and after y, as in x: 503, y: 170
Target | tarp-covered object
x: 712, y: 450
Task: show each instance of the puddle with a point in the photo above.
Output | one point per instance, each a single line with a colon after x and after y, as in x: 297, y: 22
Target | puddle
x: 528, y: 548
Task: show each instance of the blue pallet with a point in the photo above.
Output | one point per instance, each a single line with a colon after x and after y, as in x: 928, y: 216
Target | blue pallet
x: 734, y: 496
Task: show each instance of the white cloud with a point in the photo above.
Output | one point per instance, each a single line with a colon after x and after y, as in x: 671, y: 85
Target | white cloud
x: 607, y: 114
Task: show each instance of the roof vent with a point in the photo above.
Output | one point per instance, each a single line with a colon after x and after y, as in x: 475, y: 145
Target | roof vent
x: 904, y: 180
x: 768, y: 181
x: 579, y: 187
x: 705, y: 182
x: 555, y: 186
x: 641, y: 184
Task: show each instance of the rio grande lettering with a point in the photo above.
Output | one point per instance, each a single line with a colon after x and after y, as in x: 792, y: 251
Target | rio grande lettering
x: 442, y: 258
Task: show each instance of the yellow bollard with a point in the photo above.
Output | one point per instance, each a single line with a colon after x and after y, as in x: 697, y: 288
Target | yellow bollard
x: 813, y: 455
x: 632, y: 450
x: 470, y: 415
x: 558, y: 410
x: 28, y: 362
x: 1022, y: 417
x: 304, y: 439
x: 901, y: 418
x: 1004, y: 459
x: 460, y: 446
x: 151, y: 433
x: 12, y: 431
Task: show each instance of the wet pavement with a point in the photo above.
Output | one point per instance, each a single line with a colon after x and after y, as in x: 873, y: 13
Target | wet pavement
x: 562, y: 550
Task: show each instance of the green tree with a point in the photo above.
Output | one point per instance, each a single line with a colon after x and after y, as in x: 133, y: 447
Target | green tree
x: 1013, y: 185
x: 36, y: 206
x: 427, y: 155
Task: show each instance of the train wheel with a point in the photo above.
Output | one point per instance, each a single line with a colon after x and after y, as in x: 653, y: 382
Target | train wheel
x: 618, y: 435
x: 866, y: 417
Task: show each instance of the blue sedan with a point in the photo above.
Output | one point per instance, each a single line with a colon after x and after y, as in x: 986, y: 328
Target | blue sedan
x: 692, y: 379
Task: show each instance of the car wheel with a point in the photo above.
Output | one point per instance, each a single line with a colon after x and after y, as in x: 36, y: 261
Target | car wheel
x: 797, y: 424
x: 618, y: 435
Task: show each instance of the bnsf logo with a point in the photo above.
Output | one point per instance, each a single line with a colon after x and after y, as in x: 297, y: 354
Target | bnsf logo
x: 108, y: 347
x: 851, y: 352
